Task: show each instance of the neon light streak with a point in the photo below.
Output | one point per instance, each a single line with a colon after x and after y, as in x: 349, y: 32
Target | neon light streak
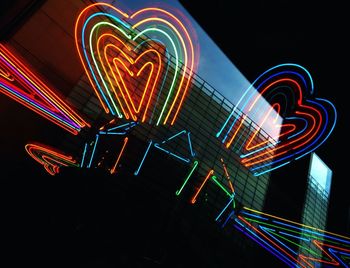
x: 174, y: 136
x: 304, y: 228
x: 143, y: 159
x: 172, y: 154
x: 120, y: 154
x: 227, y: 192
x: 120, y: 82
x: 329, y: 132
x: 39, y: 108
x: 339, y: 259
x: 254, y: 215
x: 268, y: 170
x: 125, y: 127
x: 300, y: 231
x: 83, y: 157
x: 93, y: 151
x: 190, y: 144
x: 249, y: 147
x: 269, y: 240
x: 193, y: 200
x: 128, y: 125
x: 195, y: 164
x: 316, y: 230
x: 188, y: 138
x: 268, y: 231
x: 223, y: 210
x: 49, y: 158
x: 296, y: 237
x: 272, y: 144
x: 168, y: 60
x: 22, y: 85
x: 272, y: 236
x: 332, y: 262
x: 267, y: 247
x: 6, y: 75
x: 234, y: 121
x: 320, y: 233
x: 111, y: 133
x: 242, y: 119
x: 281, y: 230
x: 220, y: 186
x: 227, y: 176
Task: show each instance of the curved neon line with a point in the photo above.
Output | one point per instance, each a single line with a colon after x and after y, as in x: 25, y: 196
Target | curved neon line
x: 314, y: 125
x: 185, y: 56
x: 95, y: 62
x: 85, y: 10
x: 165, y: 75
x: 176, y: 68
x: 89, y: 65
x: 120, y: 88
x: 43, y: 155
x: 329, y: 132
x: 251, y: 86
x: 147, y: 83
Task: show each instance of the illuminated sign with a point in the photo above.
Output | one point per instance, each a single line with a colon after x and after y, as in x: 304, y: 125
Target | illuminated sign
x: 307, y: 121
x: 140, y: 67
x: 283, y: 238
x: 127, y: 58
x: 50, y: 158
x: 21, y: 84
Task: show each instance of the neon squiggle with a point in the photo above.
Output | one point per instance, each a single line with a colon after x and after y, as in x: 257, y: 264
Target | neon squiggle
x: 50, y: 158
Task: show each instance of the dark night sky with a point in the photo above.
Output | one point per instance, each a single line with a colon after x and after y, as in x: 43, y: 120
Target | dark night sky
x: 257, y: 35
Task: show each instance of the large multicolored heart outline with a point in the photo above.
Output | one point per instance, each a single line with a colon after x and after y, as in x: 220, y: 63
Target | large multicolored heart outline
x: 307, y: 122
x: 149, y: 28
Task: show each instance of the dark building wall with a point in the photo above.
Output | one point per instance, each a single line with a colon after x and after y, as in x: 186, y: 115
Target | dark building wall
x: 286, y: 194
x: 46, y: 41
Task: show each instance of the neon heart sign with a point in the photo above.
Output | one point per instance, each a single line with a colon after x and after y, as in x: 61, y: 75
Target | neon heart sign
x: 129, y: 63
x: 307, y: 121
